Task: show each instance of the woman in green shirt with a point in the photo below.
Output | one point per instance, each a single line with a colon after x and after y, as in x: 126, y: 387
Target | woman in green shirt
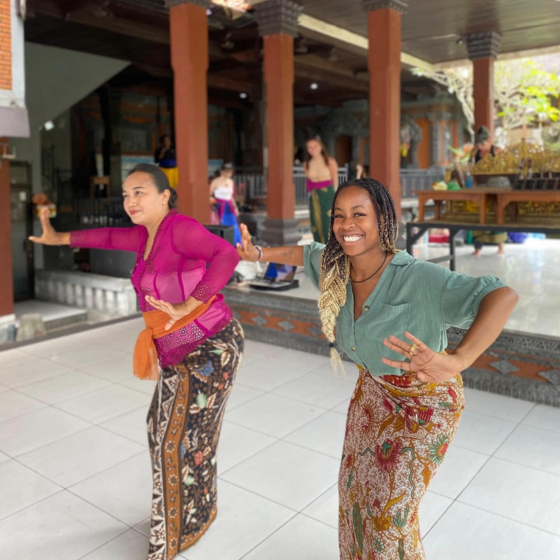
x: 409, y: 396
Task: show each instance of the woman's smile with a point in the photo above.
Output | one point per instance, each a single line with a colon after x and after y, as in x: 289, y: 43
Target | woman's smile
x: 351, y: 239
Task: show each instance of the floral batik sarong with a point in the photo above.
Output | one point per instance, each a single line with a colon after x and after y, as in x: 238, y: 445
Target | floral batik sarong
x: 397, y: 433
x: 184, y: 425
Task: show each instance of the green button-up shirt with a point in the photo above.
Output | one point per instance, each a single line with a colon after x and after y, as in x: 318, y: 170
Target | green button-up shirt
x: 411, y: 295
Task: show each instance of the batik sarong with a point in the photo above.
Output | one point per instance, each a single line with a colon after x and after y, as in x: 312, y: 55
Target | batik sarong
x: 184, y: 425
x: 397, y: 433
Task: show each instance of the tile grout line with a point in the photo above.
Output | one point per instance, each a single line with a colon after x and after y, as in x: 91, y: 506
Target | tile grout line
x: 489, y: 457
x: 537, y: 528
x: 422, y: 537
x: 54, y: 405
x: 258, y: 495
x: 61, y: 491
x: 268, y: 537
x: 243, y: 460
x: 108, y: 542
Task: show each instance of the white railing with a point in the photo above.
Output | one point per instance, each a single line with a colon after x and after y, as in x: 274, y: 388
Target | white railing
x: 251, y: 184
x: 418, y: 180
x: 114, y: 297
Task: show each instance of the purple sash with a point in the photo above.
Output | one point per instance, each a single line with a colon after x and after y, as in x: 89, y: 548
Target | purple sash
x: 221, y: 207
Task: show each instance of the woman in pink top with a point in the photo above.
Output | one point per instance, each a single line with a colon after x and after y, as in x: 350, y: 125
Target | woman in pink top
x: 321, y: 171
x: 180, y: 267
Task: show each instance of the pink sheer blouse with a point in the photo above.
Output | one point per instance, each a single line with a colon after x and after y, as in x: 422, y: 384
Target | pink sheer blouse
x: 174, y: 270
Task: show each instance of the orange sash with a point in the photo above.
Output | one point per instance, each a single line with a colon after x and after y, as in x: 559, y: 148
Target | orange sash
x: 145, y: 358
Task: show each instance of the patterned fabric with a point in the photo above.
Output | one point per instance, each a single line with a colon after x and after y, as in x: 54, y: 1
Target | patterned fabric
x: 489, y: 237
x: 397, y: 433
x: 184, y: 425
x: 320, y: 210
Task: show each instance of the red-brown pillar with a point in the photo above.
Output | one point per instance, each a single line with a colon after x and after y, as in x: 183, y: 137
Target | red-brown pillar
x: 277, y: 21
x: 483, y: 50
x: 189, y: 58
x: 6, y: 273
x: 384, y: 63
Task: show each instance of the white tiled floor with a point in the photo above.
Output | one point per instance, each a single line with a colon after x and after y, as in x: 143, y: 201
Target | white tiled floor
x: 75, y: 479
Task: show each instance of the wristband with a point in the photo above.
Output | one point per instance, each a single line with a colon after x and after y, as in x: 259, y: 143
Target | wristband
x: 259, y: 249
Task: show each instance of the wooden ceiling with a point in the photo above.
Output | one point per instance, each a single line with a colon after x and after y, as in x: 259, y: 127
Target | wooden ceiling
x: 433, y: 28
x: 138, y: 31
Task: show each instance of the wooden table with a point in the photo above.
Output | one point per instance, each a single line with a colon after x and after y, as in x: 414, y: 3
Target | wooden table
x: 477, y: 195
x: 480, y: 196
x: 505, y: 197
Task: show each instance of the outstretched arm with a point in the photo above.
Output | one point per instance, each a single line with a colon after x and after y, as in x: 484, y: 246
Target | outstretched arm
x: 119, y: 239
x: 281, y: 255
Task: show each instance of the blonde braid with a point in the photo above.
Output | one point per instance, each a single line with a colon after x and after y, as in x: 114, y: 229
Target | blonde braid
x: 334, y: 276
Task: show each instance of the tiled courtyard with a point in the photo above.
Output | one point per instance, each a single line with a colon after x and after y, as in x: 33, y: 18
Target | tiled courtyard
x: 76, y: 481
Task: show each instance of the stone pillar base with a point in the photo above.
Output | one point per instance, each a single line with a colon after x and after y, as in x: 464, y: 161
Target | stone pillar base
x: 5, y: 322
x: 280, y: 233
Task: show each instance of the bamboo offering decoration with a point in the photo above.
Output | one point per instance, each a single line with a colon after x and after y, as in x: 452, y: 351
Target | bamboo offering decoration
x: 522, y: 158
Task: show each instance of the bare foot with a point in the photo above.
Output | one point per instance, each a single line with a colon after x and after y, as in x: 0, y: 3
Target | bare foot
x: 477, y: 253
x: 501, y: 249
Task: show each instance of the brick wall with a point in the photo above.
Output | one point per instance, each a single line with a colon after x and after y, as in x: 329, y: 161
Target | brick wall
x: 5, y: 45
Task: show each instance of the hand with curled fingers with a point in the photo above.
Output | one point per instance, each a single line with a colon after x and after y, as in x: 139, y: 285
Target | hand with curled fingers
x: 429, y: 366
x: 49, y: 235
x: 176, y: 311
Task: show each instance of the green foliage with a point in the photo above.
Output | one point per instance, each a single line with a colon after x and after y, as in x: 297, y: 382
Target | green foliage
x: 526, y: 93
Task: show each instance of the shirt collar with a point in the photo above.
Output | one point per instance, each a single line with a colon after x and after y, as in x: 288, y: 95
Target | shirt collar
x: 402, y: 258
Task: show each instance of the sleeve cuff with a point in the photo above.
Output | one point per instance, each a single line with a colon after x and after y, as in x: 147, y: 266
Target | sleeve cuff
x: 488, y: 285
x: 77, y: 239
x: 203, y: 292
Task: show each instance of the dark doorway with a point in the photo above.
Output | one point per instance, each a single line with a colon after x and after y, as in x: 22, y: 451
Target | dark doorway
x: 343, y: 150
x: 22, y: 228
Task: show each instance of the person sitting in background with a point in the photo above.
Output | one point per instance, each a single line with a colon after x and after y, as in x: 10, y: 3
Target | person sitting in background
x: 484, y: 147
x: 166, y: 159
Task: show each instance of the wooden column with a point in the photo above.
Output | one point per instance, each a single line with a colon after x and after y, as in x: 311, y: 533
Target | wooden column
x: 189, y: 58
x: 384, y: 63
x: 6, y: 273
x: 483, y: 50
x: 277, y: 21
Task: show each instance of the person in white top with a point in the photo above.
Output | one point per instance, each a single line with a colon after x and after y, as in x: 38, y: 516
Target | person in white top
x: 222, y: 196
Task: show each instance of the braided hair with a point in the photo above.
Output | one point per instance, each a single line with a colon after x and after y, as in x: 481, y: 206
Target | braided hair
x: 335, y: 263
